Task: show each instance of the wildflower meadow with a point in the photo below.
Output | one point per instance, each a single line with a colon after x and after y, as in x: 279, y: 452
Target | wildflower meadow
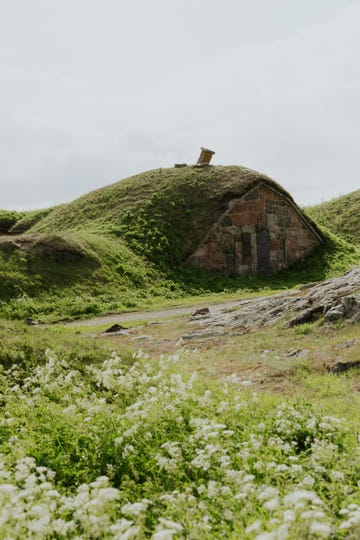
x: 136, y: 448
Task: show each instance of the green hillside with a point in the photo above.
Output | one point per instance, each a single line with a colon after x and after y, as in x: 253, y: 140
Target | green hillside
x: 65, y: 274
x: 162, y: 214
x: 341, y: 216
x: 125, y: 247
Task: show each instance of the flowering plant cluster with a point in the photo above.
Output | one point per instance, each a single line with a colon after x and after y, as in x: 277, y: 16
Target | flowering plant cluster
x: 135, y: 448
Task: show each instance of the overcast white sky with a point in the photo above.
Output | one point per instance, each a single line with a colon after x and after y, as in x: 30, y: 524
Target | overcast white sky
x: 93, y: 91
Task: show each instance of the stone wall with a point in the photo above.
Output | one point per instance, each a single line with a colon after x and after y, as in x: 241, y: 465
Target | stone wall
x: 261, y: 232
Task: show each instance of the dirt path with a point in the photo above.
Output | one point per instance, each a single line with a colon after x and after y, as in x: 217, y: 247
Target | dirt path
x: 158, y: 313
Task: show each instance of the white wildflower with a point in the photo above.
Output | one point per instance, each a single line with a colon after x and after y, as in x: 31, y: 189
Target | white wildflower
x: 337, y: 476
x: 164, y: 534
x: 300, y: 496
x: 289, y: 516
x: 128, y: 450
x: 268, y: 493
x: 135, y: 509
x: 254, y: 527
x: 320, y: 529
x: 171, y: 524
x: 266, y: 536
x: 271, y: 504
x: 308, y: 481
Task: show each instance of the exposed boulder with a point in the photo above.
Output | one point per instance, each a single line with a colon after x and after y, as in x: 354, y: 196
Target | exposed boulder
x: 341, y: 367
x: 348, y: 307
x: 201, y: 313
x: 332, y: 299
x: 345, y: 344
x: 115, y: 328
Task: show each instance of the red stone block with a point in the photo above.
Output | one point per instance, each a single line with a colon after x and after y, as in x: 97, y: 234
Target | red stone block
x: 238, y: 220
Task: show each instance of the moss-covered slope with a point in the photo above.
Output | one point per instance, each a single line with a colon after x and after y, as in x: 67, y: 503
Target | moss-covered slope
x: 341, y: 216
x: 163, y: 214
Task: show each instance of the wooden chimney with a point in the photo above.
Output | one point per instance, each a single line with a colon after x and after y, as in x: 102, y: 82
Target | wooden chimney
x: 205, y: 157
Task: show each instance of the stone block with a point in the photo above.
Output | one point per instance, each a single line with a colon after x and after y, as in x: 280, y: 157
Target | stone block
x: 226, y: 221
x: 252, y: 195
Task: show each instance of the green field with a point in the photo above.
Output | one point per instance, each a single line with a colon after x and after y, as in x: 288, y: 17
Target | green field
x: 233, y: 437
x: 101, y: 444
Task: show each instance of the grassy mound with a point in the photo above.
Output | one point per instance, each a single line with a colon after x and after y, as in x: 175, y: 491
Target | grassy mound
x: 69, y: 275
x: 125, y: 246
x: 13, y: 222
x: 162, y: 214
x: 341, y: 216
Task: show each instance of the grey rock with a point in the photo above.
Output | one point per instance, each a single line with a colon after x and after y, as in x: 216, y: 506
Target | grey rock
x: 340, y: 367
x: 293, y: 353
x: 201, y: 312
x: 351, y: 305
x: 335, y: 313
x: 345, y: 344
x: 308, y: 315
x: 348, y: 307
x: 201, y: 334
x: 141, y: 337
x: 333, y: 299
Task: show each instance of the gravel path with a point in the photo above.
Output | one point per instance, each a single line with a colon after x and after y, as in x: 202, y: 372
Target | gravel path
x: 156, y: 314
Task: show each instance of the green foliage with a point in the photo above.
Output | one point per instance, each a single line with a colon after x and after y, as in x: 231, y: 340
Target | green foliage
x: 341, y: 216
x: 303, y: 329
x: 28, y: 219
x: 8, y: 218
x: 70, y: 275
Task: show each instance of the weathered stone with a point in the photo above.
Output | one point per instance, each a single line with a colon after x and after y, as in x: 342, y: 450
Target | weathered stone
x: 201, y: 312
x: 348, y: 307
x: 351, y: 305
x: 31, y: 322
x: 345, y: 344
x: 293, y: 353
x: 340, y: 367
x: 279, y: 234
x: 298, y: 353
x: 252, y: 195
x: 308, y: 315
x: 142, y: 337
x: 304, y: 305
x: 200, y: 335
x: 335, y: 313
x: 115, y: 328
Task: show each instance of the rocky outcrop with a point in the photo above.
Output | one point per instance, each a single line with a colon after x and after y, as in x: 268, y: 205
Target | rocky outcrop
x: 348, y: 307
x: 334, y: 299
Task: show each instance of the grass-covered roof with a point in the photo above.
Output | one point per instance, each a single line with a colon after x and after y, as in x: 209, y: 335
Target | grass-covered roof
x: 163, y: 213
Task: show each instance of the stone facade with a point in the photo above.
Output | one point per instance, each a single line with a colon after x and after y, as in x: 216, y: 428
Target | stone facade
x: 260, y: 233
